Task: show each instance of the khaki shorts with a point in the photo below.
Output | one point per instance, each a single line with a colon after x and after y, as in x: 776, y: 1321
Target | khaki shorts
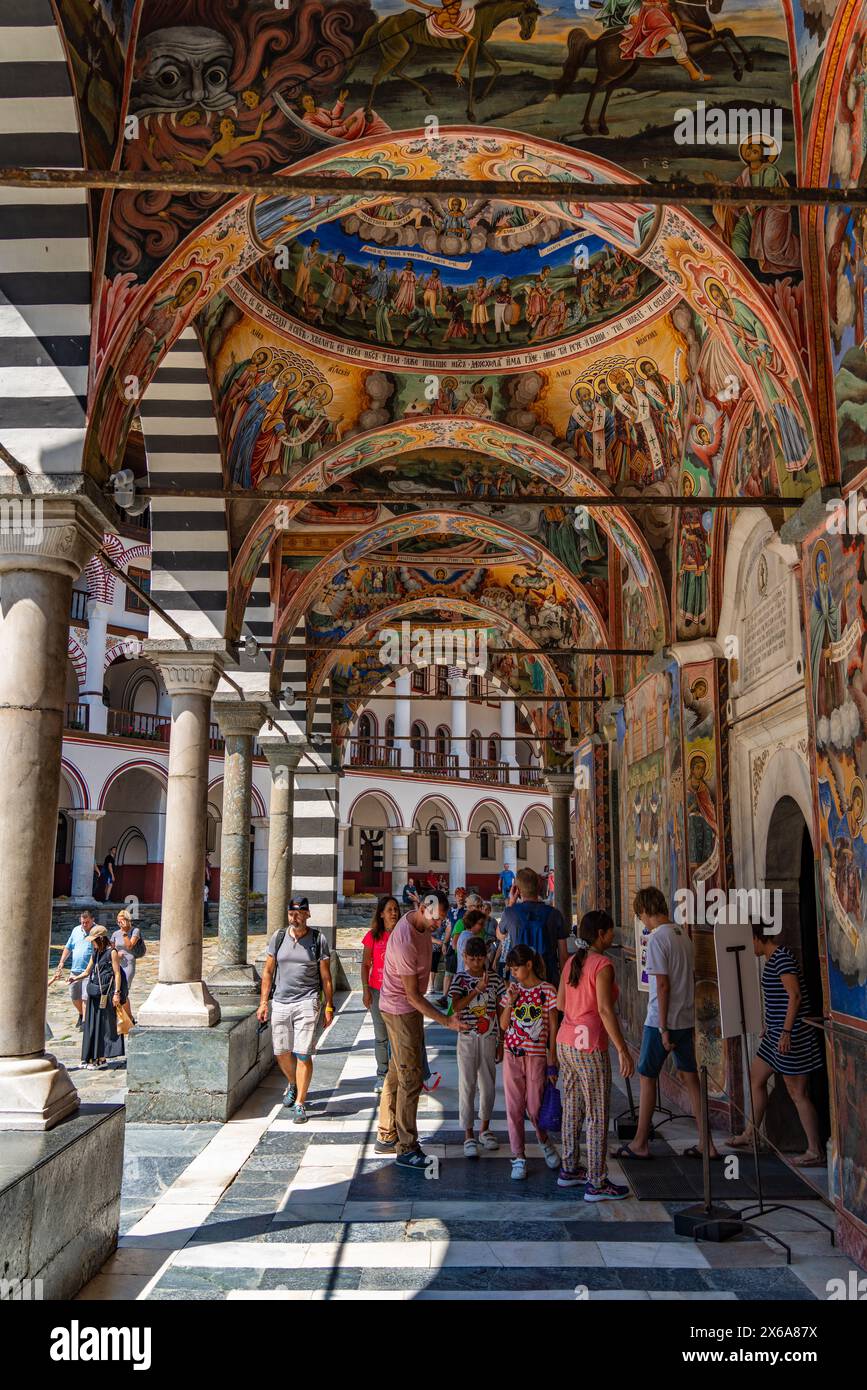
x: 293, y: 1026
x: 76, y: 990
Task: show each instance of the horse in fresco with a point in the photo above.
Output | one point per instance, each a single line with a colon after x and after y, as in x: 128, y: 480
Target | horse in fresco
x: 400, y: 39
x: 613, y: 70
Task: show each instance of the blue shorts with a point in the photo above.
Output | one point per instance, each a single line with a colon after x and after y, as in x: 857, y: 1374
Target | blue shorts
x: 654, y: 1056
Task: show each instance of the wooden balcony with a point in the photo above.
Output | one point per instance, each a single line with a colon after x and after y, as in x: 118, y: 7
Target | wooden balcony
x: 374, y: 753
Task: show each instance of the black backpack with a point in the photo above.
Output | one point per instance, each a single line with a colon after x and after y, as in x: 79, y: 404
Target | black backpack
x: 281, y: 937
x: 139, y: 948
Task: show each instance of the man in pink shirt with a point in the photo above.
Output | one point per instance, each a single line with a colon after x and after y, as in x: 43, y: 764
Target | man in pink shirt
x: 403, y: 1007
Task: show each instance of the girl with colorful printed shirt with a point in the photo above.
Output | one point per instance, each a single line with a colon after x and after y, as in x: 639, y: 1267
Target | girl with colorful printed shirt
x: 528, y: 1018
x: 476, y: 992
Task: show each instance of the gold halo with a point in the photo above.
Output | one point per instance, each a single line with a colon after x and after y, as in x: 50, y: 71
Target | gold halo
x: 699, y: 758
x: 324, y: 393
x: 688, y: 485
x: 710, y: 282
x: 261, y: 356
x: 642, y: 362
x: 581, y: 385
x: 698, y: 688
x: 626, y: 372
x: 766, y: 141
x: 603, y: 376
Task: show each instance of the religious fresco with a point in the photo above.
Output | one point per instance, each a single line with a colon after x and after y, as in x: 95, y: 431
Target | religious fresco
x: 851, y: 1155
x: 845, y: 235
x: 834, y: 573
x: 360, y: 291
x: 701, y: 780
x: 670, y: 243
x: 645, y: 789
x: 589, y: 890
x: 96, y: 34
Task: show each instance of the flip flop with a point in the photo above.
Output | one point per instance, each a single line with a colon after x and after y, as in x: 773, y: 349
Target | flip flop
x: 807, y: 1161
x: 695, y: 1152
x: 625, y: 1152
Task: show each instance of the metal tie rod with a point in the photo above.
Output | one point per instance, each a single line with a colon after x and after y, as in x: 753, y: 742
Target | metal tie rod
x: 674, y: 193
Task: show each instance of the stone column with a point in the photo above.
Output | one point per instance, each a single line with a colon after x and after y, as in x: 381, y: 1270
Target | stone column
x: 561, y: 786
x: 399, y: 859
x: 508, y: 750
x: 282, y: 760
x: 403, y: 719
x: 260, y: 854
x: 180, y: 998
x: 510, y: 853
x: 97, y: 624
x: 341, y: 853
x: 239, y: 723
x: 459, y: 686
x: 84, y: 856
x: 38, y: 563
x: 458, y: 859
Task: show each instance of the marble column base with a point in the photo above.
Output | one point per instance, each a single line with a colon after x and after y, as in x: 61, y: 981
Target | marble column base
x: 35, y: 1092
x: 188, y: 1005
x: 190, y: 1075
x: 235, y: 977
x: 60, y: 1201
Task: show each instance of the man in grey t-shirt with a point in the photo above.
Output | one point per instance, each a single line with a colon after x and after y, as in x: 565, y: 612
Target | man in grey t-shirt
x: 669, y: 1027
x: 298, y: 966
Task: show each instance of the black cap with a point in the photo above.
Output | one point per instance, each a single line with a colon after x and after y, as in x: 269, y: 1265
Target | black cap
x: 298, y: 905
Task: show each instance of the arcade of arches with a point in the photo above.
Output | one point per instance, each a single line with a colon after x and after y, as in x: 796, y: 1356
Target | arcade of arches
x: 642, y: 686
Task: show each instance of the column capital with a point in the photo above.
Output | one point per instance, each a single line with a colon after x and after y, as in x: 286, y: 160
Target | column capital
x: 54, y: 534
x: 510, y: 839
x: 260, y: 822
x: 458, y: 834
x: 402, y: 830
x: 239, y: 716
x: 279, y: 754
x: 188, y: 671
x: 560, y: 783
x: 99, y: 607
x: 85, y: 815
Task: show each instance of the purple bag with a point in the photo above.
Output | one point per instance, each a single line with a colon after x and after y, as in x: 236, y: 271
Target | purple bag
x: 551, y: 1109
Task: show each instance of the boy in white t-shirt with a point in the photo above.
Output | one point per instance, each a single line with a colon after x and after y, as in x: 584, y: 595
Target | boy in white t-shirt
x: 670, y: 1023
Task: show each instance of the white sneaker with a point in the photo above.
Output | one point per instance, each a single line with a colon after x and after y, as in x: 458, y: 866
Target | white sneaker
x: 519, y: 1169
x: 471, y: 1148
x: 551, y: 1156
x: 489, y: 1140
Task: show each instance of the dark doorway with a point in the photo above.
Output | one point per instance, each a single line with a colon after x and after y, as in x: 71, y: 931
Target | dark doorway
x: 790, y: 868
x: 369, y: 873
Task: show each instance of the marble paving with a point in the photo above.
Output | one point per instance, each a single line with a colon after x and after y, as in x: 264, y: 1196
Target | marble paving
x: 262, y: 1209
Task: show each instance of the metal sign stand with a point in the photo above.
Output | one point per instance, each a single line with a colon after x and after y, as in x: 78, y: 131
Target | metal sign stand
x: 718, y: 1223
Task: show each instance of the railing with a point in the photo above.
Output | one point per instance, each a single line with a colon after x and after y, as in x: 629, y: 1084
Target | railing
x: 76, y: 717
x: 429, y: 760
x: 78, y: 606
x: 371, y: 752
x: 530, y: 776
x: 127, y: 723
x: 486, y: 770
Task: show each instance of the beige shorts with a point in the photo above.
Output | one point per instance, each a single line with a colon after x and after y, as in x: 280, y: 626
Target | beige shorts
x: 293, y: 1026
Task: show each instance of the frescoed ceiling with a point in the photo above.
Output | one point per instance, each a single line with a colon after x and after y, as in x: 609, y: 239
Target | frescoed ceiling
x: 375, y: 349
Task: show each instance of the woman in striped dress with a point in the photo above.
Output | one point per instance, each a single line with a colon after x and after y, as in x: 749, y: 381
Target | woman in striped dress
x: 789, y: 1046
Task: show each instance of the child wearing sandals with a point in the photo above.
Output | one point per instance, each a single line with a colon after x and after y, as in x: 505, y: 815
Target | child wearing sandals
x: 528, y: 1017
x: 477, y: 992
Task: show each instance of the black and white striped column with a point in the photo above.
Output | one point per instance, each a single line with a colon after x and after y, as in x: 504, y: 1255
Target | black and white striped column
x: 45, y: 280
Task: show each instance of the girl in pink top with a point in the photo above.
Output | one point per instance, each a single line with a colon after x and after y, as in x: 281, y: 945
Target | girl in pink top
x: 385, y: 919
x: 586, y: 1000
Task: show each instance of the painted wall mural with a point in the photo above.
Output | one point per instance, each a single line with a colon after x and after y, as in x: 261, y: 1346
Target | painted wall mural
x: 834, y: 574
x: 701, y: 783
